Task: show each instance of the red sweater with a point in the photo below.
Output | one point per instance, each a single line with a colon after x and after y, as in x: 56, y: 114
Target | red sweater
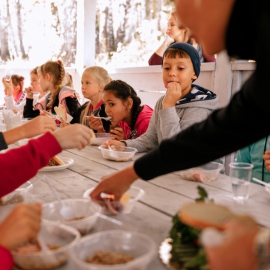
x: 141, y: 124
x: 28, y: 159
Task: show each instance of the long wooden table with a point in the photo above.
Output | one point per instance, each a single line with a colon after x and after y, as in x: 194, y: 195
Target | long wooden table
x: 163, y: 197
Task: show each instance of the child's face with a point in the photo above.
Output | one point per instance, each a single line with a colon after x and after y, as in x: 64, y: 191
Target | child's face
x: 172, y: 28
x: 178, y: 70
x: 44, y: 82
x: 90, y: 88
x: 115, y: 108
x: 34, y: 82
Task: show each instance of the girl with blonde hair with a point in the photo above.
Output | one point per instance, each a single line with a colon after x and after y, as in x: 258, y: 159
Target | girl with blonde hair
x: 94, y: 79
x: 51, y: 75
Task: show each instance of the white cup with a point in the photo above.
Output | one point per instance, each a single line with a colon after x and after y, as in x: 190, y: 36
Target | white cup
x: 240, y: 174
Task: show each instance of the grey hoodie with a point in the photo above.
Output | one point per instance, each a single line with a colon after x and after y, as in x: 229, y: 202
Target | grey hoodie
x: 166, y: 123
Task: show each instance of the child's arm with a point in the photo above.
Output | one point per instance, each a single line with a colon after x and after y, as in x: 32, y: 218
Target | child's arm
x: 72, y: 104
x: 28, y: 111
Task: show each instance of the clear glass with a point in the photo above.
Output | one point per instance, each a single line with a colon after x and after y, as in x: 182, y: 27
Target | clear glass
x: 8, y: 74
x: 240, y: 174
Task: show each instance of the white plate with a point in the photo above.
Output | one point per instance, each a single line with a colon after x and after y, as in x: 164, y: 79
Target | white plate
x: 67, y: 161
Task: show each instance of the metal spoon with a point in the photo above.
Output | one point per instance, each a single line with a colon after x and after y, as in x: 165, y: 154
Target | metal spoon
x: 100, y: 117
x: 65, y: 211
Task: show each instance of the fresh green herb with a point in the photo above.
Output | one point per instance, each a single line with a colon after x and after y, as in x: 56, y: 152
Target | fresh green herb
x: 186, y: 252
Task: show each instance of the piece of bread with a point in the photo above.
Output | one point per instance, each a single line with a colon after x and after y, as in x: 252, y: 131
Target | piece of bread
x: 60, y: 111
x: 201, y: 215
x: 93, y: 135
x: 55, y: 161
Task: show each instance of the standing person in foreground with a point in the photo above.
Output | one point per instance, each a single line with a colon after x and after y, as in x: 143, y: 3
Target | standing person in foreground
x: 225, y: 130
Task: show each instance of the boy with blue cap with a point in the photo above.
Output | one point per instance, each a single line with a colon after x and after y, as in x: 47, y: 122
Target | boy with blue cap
x: 184, y: 102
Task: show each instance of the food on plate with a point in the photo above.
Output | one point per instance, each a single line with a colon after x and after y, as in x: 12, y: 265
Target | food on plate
x: 76, y: 218
x: 33, y: 247
x: 60, y: 111
x: 109, y: 258
x: 55, y: 161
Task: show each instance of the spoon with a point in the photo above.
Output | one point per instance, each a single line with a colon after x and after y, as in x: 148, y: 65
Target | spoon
x: 261, y: 182
x: 100, y: 117
x: 65, y: 211
x: 45, y: 250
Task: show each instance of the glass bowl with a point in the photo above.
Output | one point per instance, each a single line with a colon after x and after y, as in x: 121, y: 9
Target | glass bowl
x: 54, y: 234
x: 18, y: 195
x: 205, y: 173
x: 125, y: 206
x: 86, y: 213
x: 118, y: 152
x: 141, y: 247
x: 100, y: 138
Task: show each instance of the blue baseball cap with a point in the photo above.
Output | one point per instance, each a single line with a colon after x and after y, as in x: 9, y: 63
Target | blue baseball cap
x: 191, y: 51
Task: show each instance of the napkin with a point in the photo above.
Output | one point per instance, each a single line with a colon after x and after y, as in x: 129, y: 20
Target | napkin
x: 11, y: 119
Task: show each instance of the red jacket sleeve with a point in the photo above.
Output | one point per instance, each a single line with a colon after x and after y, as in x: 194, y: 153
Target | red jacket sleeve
x: 154, y: 60
x: 6, y: 259
x: 21, y: 164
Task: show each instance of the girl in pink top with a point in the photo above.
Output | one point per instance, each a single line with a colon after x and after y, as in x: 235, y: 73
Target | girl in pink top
x: 129, y: 118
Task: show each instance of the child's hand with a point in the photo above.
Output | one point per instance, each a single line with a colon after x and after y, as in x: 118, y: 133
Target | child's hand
x: 8, y: 87
x: 29, y: 92
x: 37, y: 126
x: 63, y: 123
x: 113, y: 142
x: 173, y: 94
x: 266, y: 158
x: 73, y: 136
x: 118, y: 134
x: 20, y: 226
x: 95, y: 124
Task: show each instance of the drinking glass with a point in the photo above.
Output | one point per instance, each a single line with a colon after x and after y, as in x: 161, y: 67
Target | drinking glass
x: 240, y: 174
x: 8, y: 73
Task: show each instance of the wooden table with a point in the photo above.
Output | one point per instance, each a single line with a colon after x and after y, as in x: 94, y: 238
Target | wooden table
x: 163, y: 197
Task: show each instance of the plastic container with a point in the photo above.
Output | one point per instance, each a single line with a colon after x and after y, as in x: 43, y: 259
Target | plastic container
x: 86, y: 213
x: 54, y: 234
x: 124, y: 206
x: 118, y: 153
x: 205, y: 173
x: 141, y: 247
x: 18, y: 195
x: 100, y: 138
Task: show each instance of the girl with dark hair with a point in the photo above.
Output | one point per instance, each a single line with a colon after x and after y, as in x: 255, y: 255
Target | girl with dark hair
x: 129, y: 118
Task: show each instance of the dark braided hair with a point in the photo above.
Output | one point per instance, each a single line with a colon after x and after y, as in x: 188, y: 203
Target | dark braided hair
x: 123, y: 91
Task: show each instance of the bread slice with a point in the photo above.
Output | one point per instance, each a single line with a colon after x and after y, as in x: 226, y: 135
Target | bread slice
x: 93, y: 135
x: 201, y: 215
x: 60, y: 111
x: 55, y: 161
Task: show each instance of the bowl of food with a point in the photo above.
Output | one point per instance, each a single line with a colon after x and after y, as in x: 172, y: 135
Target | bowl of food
x: 124, y: 206
x: 113, y: 249
x: 100, y: 138
x: 118, y: 152
x: 18, y: 195
x: 59, y: 239
x: 205, y: 173
x: 85, y: 213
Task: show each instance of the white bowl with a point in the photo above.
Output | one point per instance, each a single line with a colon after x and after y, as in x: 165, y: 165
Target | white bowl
x: 118, y: 153
x: 18, y: 195
x: 126, y: 205
x: 55, y: 234
x: 141, y: 247
x: 86, y: 211
x: 100, y: 138
x: 205, y: 173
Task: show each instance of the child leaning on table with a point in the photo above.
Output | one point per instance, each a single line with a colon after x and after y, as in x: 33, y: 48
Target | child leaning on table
x: 51, y: 76
x: 184, y: 103
x: 129, y: 119
x: 93, y: 81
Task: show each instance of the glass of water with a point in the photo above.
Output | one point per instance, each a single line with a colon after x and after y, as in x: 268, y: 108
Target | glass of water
x: 8, y: 73
x: 240, y: 174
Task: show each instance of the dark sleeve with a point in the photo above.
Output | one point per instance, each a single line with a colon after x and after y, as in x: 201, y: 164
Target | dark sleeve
x: 28, y: 111
x: 155, y: 60
x: 72, y: 104
x: 3, y: 144
x: 77, y: 114
x: 244, y: 121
